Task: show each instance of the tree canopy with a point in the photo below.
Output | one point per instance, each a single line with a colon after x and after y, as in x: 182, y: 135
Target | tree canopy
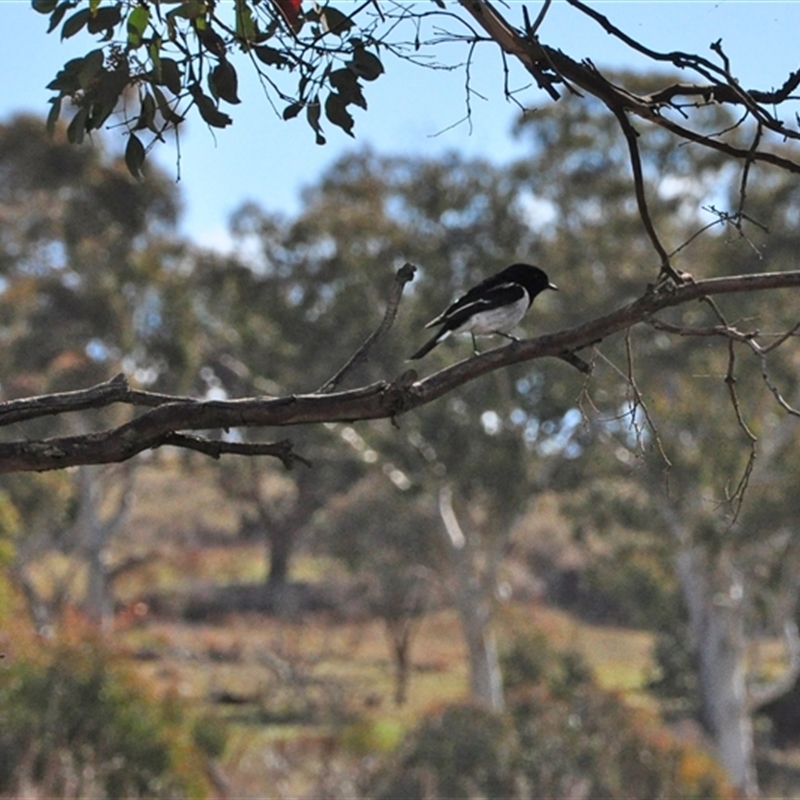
x: 157, y: 62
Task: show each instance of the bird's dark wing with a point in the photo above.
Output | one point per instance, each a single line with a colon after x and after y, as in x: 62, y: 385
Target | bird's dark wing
x: 484, y: 297
x: 475, y: 293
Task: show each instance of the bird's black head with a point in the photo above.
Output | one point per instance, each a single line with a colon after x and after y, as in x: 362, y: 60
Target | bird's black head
x: 534, y: 280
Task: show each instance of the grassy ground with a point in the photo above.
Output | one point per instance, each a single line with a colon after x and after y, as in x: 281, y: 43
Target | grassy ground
x: 303, y: 700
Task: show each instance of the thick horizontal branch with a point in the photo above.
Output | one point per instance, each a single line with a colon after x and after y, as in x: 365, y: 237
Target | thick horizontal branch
x: 598, y: 329
x: 115, y: 390
x: 164, y: 423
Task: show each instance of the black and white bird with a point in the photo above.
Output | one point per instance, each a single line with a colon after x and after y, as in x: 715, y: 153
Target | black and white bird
x: 494, y: 306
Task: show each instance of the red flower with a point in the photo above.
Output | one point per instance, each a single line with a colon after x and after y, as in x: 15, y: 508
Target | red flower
x: 290, y: 10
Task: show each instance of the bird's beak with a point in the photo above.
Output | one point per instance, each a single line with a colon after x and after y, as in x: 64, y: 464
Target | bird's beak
x: 552, y: 286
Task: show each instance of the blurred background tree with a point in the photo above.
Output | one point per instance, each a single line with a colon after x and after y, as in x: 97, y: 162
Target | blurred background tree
x: 651, y: 458
x: 92, y: 285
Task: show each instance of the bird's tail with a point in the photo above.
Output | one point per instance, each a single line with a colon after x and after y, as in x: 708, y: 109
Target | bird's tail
x: 429, y: 345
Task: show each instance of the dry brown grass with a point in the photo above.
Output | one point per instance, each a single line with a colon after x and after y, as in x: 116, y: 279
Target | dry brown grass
x: 314, y: 697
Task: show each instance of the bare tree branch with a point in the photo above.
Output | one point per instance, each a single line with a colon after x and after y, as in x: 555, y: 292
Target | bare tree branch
x: 217, y: 447
x: 723, y: 87
x: 736, y: 498
x: 404, y: 275
x: 115, y: 390
x: 168, y: 418
x: 641, y: 200
x: 746, y: 337
x: 636, y: 402
x: 549, y: 66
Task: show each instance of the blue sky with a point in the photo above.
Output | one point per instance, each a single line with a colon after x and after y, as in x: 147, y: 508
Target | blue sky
x: 411, y: 110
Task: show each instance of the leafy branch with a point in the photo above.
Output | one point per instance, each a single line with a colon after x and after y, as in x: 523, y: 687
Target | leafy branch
x: 168, y: 59
x: 155, y: 66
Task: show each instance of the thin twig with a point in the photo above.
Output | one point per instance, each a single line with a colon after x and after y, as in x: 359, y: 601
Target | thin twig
x: 726, y: 331
x: 217, y: 447
x: 782, y: 338
x: 404, y: 275
x: 637, y: 401
x: 736, y: 499
x: 667, y: 270
x: 746, y: 169
x: 531, y: 30
x: 762, y: 357
x: 716, y: 309
x: 734, y: 335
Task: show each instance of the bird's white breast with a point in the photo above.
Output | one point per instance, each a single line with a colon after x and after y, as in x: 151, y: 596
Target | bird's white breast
x: 495, y: 320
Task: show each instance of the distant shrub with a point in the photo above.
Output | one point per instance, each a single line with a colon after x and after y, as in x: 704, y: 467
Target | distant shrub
x: 636, y: 587
x: 463, y: 752
x: 72, y: 725
x: 210, y: 736
x: 532, y: 660
x: 593, y: 745
x: 561, y: 736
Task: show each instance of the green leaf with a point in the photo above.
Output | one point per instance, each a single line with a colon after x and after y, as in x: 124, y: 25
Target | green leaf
x: 365, y: 64
x: 44, y: 6
x: 154, y: 51
x: 53, y: 114
x: 313, y: 114
x: 245, y: 24
x: 270, y: 56
x: 191, y: 9
x: 291, y: 111
x: 346, y: 84
x: 58, y: 15
x: 171, y: 76
x: 208, y: 111
x: 334, y: 21
x: 66, y: 80
x: 210, y: 39
x: 92, y: 64
x: 224, y: 82
x: 134, y: 156
x: 77, y: 127
x: 137, y: 24
x: 336, y: 112
x: 75, y: 23
x: 105, y: 19
x: 106, y: 90
x: 100, y: 113
x: 167, y: 112
x: 147, y: 115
